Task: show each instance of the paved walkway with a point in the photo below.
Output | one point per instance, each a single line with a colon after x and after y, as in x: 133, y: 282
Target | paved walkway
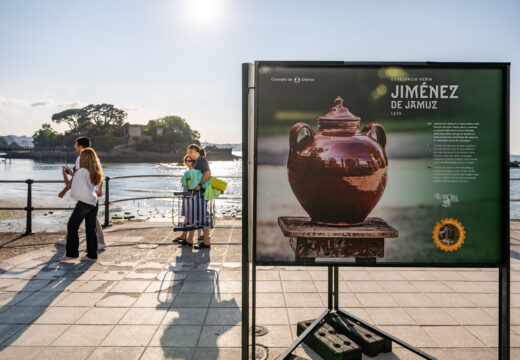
x: 146, y: 298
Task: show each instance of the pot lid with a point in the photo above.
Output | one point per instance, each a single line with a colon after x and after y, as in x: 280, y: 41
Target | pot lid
x: 339, y: 113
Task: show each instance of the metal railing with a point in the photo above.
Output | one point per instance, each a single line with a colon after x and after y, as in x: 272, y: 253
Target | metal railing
x: 29, y: 208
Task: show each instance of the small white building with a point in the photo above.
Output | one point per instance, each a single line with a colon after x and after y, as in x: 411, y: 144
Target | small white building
x: 135, y: 130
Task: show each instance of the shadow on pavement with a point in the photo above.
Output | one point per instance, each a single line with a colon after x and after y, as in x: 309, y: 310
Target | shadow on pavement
x: 186, y: 336
x: 34, y: 296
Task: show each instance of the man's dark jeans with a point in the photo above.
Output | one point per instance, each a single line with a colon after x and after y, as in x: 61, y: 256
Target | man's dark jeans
x: 80, y: 212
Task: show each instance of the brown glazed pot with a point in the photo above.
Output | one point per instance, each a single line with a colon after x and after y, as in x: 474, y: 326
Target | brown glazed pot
x: 338, y: 174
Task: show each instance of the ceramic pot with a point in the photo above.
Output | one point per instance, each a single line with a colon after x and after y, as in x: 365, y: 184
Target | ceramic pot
x: 338, y: 173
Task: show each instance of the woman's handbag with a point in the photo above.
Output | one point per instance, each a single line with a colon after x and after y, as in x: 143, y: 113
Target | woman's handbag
x: 217, y: 184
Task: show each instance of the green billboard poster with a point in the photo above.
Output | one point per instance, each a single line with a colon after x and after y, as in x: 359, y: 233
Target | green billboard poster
x: 381, y: 163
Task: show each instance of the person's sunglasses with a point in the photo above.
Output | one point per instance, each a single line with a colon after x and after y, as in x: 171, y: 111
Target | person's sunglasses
x: 189, y: 160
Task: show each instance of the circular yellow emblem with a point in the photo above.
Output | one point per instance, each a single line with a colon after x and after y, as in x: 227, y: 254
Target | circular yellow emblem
x: 449, y: 234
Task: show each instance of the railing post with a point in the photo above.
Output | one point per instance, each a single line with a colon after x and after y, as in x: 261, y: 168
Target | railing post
x: 29, y: 208
x: 107, y: 202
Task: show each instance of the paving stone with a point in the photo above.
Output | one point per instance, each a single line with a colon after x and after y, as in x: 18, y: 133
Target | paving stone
x: 226, y: 300
x: 413, y: 300
x: 431, y: 287
x: 130, y: 335
x: 167, y: 353
x: 141, y: 275
x: 229, y: 286
x: 223, y: 316
x: 95, y: 286
x: 176, y: 335
x: 109, y: 275
x: 220, y: 336
x: 295, y: 275
x: 398, y: 286
x: 355, y: 275
x: 42, y: 299
x: 272, y: 316
x: 365, y: 286
x: 164, y: 286
x: 38, y: 335
x: 83, y: 335
x: 102, y: 316
x: 452, y: 336
x: 301, y: 314
x: 145, y: 316
x: 27, y: 285
x: 184, y: 316
x: 481, y: 276
x: 298, y: 286
x: 169, y: 276
x: 270, y: 300
x: 303, y: 300
x: 471, y: 316
x: 192, y: 300
x: 14, y: 315
x: 464, y: 286
x: 386, y: 275
x: 482, y: 300
x: 267, y: 275
x: 61, y: 315
x: 37, y: 353
x: 323, y: 286
x: 116, y: 353
x: 127, y: 286
x: 62, y: 285
x: 6, y: 282
x: 233, y: 275
x: 13, y: 298
x: 417, y: 275
x: 81, y: 299
x: 446, y: 275
x: 431, y: 316
x: 376, y: 300
x: 450, y: 300
x: 268, y: 286
x: 413, y: 335
x: 390, y: 316
x: 277, y: 336
x: 199, y: 287
x: 6, y: 331
x: 217, y: 354
x: 162, y: 299
x: 117, y: 300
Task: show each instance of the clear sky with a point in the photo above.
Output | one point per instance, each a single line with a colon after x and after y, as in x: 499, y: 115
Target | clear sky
x: 173, y: 57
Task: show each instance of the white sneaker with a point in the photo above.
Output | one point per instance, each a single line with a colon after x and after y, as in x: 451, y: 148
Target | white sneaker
x: 101, y: 246
x: 61, y: 242
x: 87, y: 258
x: 67, y: 259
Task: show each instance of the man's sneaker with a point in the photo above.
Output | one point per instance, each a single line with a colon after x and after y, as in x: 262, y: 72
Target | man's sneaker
x: 61, y: 242
x: 68, y: 259
x: 101, y: 246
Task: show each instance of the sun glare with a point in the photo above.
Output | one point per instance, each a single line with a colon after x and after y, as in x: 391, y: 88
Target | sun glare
x: 204, y: 13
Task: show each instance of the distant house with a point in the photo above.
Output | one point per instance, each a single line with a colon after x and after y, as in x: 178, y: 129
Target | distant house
x: 135, y: 130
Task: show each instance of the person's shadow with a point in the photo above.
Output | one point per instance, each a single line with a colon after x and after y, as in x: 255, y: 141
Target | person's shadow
x: 33, y: 297
x: 186, y: 336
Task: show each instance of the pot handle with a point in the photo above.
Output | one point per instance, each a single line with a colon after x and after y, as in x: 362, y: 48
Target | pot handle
x: 293, y: 137
x: 380, y: 133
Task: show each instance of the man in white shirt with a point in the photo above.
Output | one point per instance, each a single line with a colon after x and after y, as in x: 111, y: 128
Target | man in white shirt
x: 81, y: 143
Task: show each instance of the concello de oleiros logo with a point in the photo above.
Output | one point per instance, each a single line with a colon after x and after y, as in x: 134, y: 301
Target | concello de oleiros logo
x: 449, y: 234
